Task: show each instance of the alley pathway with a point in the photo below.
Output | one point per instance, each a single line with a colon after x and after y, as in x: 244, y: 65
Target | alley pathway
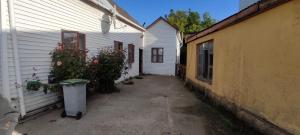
x: 155, y: 105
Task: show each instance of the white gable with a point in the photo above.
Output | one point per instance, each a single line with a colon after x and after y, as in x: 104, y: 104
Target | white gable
x: 161, y: 35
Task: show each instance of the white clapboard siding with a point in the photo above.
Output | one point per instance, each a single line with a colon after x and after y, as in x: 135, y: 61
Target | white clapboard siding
x: 161, y: 35
x: 39, y: 24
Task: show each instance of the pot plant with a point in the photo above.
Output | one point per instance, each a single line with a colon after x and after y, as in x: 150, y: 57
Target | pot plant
x: 68, y: 69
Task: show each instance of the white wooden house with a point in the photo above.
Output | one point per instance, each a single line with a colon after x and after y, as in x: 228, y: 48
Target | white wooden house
x: 161, y: 48
x: 30, y: 29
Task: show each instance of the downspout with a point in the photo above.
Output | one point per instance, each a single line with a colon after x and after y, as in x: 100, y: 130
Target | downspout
x: 11, y: 14
x: 4, y: 56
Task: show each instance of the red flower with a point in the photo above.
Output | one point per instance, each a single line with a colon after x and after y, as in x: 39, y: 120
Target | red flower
x: 60, y: 48
x: 95, y: 61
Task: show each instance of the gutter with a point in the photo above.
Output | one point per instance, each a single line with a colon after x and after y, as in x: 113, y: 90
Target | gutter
x: 129, y: 21
x: 11, y: 14
x: 4, y: 56
x: 251, y: 11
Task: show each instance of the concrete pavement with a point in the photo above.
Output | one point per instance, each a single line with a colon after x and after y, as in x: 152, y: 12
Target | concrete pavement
x: 155, y: 105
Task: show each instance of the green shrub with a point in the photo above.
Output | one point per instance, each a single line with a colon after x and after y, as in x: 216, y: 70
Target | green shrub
x: 67, y: 64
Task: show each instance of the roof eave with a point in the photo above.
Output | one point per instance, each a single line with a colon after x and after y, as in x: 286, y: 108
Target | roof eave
x: 253, y: 10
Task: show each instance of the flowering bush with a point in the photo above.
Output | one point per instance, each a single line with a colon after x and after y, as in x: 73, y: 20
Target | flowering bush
x: 105, y: 68
x: 102, y: 70
x: 67, y: 64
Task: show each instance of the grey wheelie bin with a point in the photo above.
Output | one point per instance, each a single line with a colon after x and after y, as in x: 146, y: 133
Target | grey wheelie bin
x: 74, y: 97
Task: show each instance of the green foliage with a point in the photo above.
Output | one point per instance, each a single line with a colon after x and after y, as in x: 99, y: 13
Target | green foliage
x: 34, y: 85
x: 207, y: 20
x: 190, y: 21
x: 101, y: 70
x: 178, y: 19
x: 105, y: 68
x: 67, y: 64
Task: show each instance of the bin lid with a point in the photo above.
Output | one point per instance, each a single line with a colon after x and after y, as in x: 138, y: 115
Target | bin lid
x: 74, y: 81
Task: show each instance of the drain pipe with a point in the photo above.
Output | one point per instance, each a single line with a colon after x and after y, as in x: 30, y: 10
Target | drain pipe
x: 13, y: 32
x: 4, y: 61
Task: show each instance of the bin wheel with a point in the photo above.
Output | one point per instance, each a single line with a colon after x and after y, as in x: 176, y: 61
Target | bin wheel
x: 63, y: 114
x: 79, y: 115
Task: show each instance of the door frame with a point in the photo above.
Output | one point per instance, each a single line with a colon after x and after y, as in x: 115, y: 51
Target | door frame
x: 141, y: 61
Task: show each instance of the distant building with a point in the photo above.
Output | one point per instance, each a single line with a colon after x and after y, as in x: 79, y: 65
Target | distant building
x: 246, y: 3
x: 161, y: 48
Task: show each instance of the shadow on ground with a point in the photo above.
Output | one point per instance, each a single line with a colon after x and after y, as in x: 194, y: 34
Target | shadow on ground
x: 155, y: 105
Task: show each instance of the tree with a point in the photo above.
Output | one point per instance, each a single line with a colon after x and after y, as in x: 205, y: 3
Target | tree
x: 193, y: 22
x: 189, y: 21
x: 178, y: 19
x: 207, y: 20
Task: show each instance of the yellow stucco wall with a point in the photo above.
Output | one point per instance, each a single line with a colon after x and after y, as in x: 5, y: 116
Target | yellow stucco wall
x: 257, y: 65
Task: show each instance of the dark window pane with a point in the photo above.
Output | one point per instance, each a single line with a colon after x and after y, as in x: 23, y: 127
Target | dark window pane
x: 154, y: 58
x: 160, y: 51
x: 210, y: 73
x: 211, y: 59
x: 157, y: 55
x: 70, y: 40
x: 205, y: 61
x: 205, y: 64
x: 130, y: 53
x: 154, y: 51
x: 120, y: 46
x: 81, y: 42
x: 160, y: 58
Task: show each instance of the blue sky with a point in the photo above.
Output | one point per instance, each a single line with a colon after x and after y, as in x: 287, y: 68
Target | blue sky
x: 149, y: 10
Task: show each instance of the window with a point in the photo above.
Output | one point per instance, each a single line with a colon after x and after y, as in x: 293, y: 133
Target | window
x: 118, y: 46
x: 73, y: 40
x: 205, y: 61
x: 130, y: 53
x: 157, y: 55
